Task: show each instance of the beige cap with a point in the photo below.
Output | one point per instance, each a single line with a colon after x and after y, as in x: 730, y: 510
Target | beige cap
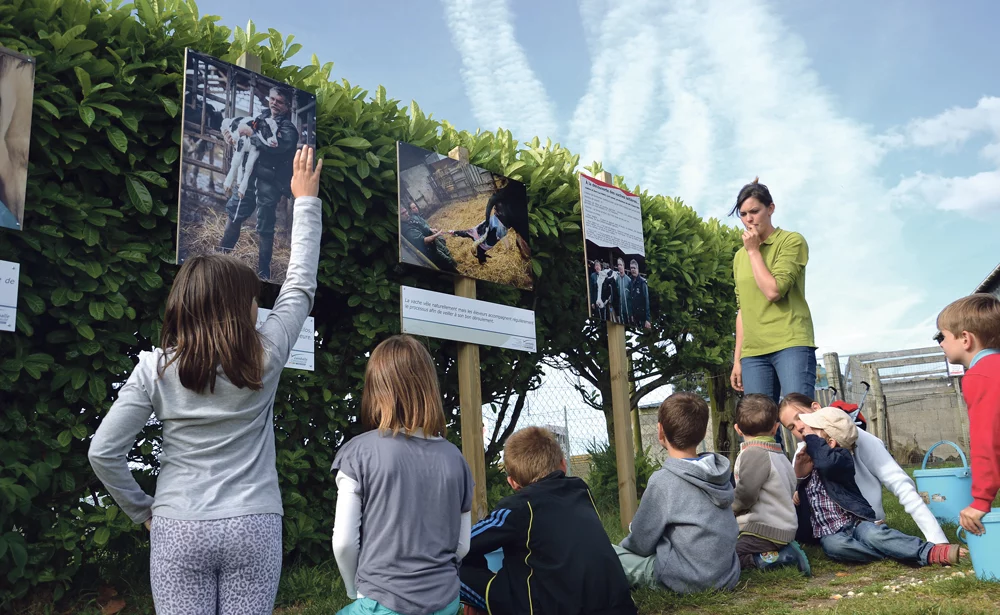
x: 835, y: 422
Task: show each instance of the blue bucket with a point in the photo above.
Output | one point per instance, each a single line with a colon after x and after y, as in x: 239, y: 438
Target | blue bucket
x: 494, y: 560
x: 946, y: 491
x: 985, y: 550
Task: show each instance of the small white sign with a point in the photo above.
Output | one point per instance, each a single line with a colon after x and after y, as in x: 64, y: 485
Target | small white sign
x: 955, y: 370
x: 304, y: 351
x: 449, y: 317
x: 9, y: 279
x: 612, y: 218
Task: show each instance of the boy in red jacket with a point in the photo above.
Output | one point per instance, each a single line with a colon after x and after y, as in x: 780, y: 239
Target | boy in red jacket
x: 969, y: 334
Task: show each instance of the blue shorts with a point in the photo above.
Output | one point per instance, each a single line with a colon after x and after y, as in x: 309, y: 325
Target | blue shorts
x: 367, y: 606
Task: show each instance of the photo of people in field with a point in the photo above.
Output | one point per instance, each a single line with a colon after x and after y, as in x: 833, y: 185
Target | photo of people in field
x: 241, y: 131
x: 618, y: 291
x: 461, y: 219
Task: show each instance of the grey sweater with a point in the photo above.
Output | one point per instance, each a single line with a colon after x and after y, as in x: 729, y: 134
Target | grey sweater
x: 685, y: 519
x: 765, y: 483
x: 217, y: 458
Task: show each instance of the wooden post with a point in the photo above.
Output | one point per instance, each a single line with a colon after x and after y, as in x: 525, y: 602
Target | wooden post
x: 874, y: 420
x: 249, y: 61
x: 832, y: 364
x: 636, y: 420
x: 470, y: 391
x: 636, y: 430
x: 963, y: 413
x: 620, y: 406
x: 881, y: 412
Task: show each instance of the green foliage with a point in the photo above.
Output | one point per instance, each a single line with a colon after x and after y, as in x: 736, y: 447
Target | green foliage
x: 96, y: 258
x: 603, y: 477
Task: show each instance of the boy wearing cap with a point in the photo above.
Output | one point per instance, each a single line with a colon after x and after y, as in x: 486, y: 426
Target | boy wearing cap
x: 840, y: 516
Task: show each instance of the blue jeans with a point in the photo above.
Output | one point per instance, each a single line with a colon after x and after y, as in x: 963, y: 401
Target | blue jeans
x: 792, y: 370
x: 868, y: 542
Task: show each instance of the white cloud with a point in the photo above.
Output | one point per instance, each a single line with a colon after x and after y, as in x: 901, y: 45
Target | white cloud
x: 975, y: 195
x: 500, y: 83
x: 957, y: 125
x: 694, y: 99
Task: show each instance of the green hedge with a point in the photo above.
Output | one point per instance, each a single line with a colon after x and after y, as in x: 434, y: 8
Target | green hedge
x: 97, y: 258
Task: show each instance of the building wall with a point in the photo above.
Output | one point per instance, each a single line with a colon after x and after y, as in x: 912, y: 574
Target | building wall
x: 921, y: 414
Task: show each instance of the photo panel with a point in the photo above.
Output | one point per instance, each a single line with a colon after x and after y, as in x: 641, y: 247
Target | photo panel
x: 17, y: 85
x: 461, y: 219
x: 240, y: 133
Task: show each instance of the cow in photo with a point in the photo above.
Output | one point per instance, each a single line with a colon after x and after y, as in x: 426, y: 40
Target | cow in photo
x: 245, y: 151
x: 16, y: 79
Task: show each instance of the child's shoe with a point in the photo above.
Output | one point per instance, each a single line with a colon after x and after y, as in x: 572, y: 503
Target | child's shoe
x: 943, y: 555
x: 789, y: 555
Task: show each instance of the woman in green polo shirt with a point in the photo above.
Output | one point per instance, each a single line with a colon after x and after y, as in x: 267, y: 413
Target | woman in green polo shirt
x: 775, y: 349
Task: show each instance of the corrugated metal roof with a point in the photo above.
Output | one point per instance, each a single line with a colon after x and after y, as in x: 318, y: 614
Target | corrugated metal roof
x: 991, y: 282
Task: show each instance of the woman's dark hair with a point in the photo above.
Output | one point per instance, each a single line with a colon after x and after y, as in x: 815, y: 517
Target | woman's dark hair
x: 754, y: 189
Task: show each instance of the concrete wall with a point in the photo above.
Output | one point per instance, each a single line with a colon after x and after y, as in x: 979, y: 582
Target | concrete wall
x: 921, y: 414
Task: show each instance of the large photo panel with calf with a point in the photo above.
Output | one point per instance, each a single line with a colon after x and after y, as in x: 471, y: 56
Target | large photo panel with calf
x: 240, y: 133
x: 461, y: 219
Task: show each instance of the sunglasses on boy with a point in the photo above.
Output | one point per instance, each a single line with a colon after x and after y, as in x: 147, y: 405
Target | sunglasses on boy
x: 939, y: 337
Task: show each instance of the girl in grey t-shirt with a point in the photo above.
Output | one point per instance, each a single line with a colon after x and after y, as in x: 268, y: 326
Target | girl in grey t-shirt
x: 415, y: 488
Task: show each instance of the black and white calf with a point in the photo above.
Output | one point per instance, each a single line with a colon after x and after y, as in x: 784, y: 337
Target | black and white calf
x: 245, y: 152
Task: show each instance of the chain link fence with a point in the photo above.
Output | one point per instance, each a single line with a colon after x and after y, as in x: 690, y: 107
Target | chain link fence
x: 559, y: 406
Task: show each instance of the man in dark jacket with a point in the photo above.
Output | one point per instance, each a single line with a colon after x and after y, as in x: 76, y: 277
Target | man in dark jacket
x: 557, y: 558
x: 638, y: 297
x: 271, y: 179
x: 427, y: 240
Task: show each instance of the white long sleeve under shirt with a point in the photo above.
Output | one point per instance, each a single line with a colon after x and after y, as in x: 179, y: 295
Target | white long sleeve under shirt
x: 347, y: 530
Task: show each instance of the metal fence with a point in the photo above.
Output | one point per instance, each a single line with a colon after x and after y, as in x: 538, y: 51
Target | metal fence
x: 559, y: 406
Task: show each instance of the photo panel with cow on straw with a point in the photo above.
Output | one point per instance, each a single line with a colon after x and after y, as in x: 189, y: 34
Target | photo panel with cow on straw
x: 461, y: 219
x: 17, y: 83
x: 240, y: 133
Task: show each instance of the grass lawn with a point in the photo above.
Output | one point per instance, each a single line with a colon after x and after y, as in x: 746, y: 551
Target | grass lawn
x: 883, y: 588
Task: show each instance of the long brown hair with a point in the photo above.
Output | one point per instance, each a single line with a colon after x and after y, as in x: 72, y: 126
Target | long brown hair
x: 401, y: 389
x: 208, y: 323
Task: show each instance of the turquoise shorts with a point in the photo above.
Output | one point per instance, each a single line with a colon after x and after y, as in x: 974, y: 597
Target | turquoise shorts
x: 367, y: 606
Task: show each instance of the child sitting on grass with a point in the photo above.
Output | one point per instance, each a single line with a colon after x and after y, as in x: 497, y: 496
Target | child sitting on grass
x: 557, y: 556
x: 765, y: 483
x: 683, y: 536
x: 840, y: 516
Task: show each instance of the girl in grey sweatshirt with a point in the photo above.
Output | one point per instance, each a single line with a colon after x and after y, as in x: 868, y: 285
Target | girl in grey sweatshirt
x: 215, y: 522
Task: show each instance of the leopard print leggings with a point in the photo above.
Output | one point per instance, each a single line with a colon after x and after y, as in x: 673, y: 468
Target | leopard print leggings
x: 225, y: 566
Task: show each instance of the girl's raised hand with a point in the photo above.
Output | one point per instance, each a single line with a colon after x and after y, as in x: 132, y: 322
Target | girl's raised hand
x: 305, y: 178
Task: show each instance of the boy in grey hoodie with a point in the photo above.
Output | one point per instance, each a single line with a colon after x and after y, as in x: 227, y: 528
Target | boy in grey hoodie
x: 683, y: 536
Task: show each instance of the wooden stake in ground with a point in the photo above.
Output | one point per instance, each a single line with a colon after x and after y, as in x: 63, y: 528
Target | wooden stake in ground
x: 620, y: 406
x: 470, y: 392
x: 250, y: 62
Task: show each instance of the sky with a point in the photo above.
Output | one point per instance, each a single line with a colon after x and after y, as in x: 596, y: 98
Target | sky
x: 876, y: 126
